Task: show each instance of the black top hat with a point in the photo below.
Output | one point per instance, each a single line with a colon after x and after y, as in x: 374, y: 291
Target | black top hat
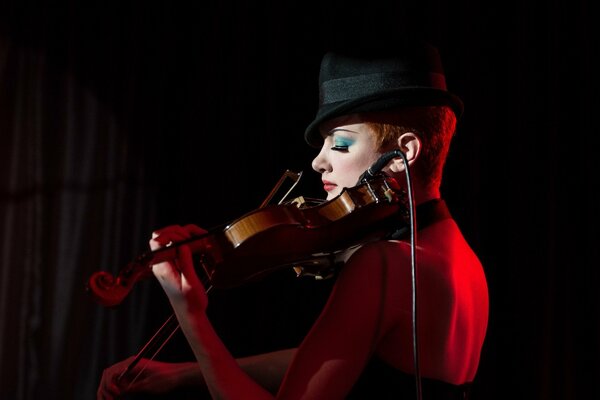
x: 350, y: 84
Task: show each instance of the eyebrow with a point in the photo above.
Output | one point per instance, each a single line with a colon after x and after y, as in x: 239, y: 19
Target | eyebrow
x: 340, y: 130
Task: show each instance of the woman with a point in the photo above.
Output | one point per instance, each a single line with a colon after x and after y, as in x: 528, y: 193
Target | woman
x: 362, y: 342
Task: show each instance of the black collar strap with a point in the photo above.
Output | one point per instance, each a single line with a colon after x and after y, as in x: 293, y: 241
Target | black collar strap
x: 428, y: 213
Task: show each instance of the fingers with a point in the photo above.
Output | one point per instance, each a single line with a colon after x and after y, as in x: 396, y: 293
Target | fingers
x: 183, y: 271
x: 108, y: 388
x: 165, y: 237
x: 195, y: 230
x: 193, y: 289
x: 178, y: 277
x: 184, y: 232
x: 185, y: 262
x: 174, y: 233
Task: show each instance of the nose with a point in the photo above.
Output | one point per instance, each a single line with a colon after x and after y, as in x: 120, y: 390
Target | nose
x: 320, y: 162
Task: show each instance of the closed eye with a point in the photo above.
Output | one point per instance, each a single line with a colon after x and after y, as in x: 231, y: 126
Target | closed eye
x: 339, y: 148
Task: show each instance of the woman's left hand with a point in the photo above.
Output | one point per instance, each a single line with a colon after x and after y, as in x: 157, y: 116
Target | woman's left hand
x: 178, y: 278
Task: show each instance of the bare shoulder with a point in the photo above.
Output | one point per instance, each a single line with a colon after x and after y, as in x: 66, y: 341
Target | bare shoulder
x: 441, y: 252
x: 375, y: 258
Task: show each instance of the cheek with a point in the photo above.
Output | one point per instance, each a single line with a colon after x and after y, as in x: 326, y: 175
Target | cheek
x: 353, y: 169
x: 362, y: 163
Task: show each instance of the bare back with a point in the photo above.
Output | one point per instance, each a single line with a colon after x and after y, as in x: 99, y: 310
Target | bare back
x: 452, y: 304
x: 369, y: 313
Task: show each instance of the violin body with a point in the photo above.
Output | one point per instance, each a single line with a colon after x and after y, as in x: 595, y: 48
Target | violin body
x: 273, y: 237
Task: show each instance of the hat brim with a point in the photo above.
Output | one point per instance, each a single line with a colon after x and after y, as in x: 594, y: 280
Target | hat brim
x: 405, y: 97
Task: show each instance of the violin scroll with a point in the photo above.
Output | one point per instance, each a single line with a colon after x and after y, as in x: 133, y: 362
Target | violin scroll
x: 109, y: 291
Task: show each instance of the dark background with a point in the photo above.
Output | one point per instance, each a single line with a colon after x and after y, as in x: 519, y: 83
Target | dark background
x: 120, y: 117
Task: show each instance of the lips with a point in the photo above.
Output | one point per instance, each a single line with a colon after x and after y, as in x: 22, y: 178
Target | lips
x: 328, y: 186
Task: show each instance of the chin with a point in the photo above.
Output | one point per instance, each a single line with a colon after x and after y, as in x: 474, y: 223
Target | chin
x: 333, y: 194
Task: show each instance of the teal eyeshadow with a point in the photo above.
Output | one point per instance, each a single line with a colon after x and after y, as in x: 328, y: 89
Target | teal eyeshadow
x: 343, y: 142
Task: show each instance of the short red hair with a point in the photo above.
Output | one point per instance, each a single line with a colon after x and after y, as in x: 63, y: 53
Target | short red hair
x: 434, y: 125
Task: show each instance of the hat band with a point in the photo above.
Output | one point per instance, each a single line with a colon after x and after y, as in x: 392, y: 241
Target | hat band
x: 355, y: 87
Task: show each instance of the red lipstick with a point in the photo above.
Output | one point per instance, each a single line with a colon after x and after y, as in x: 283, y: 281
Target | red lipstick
x: 328, y: 186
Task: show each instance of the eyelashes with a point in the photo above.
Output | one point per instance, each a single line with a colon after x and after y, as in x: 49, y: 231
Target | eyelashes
x: 340, y: 148
x: 341, y: 144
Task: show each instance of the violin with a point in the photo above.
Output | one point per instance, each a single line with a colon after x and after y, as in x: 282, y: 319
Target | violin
x: 295, y: 234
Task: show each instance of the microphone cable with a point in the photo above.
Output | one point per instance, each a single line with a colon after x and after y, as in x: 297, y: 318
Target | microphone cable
x: 371, y: 172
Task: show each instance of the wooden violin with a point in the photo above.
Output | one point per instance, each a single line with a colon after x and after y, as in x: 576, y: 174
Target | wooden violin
x: 306, y: 237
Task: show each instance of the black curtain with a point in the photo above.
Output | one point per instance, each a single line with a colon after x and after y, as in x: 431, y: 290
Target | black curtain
x: 117, y: 118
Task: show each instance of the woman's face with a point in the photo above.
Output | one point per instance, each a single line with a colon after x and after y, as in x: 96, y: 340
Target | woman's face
x: 349, y: 149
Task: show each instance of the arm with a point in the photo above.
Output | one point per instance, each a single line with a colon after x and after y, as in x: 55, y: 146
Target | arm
x: 223, y: 376
x: 266, y: 369
x: 330, y: 358
x: 157, y: 377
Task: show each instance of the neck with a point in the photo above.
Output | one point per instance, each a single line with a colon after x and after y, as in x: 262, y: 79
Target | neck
x: 421, y: 192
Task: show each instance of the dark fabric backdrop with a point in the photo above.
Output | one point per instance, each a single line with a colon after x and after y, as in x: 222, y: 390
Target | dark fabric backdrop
x: 120, y: 117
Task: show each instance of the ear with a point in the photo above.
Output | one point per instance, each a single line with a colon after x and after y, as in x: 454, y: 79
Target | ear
x: 410, y: 144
